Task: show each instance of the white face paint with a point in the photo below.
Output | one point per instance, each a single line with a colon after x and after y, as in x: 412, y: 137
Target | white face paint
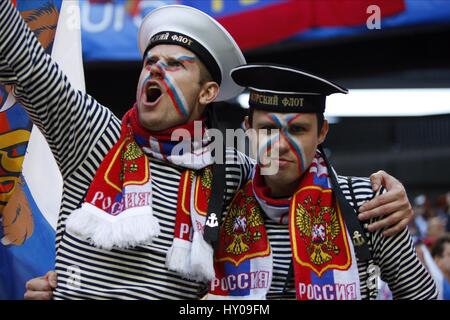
x: 168, y: 88
x: 286, y: 140
x: 275, y: 138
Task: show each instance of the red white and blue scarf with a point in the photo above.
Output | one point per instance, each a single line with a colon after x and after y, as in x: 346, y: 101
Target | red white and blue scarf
x: 324, y: 260
x: 117, y: 211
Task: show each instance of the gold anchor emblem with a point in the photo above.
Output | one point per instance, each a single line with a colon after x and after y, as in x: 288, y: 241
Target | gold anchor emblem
x: 358, y: 239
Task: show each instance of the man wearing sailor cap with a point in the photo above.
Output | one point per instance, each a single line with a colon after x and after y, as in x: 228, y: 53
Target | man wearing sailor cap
x: 290, y: 232
x: 133, y: 210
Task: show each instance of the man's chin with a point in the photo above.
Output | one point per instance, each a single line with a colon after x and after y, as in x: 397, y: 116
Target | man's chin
x: 154, y: 125
x: 157, y: 123
x: 278, y: 165
x: 272, y: 170
x: 150, y: 120
x: 156, y: 120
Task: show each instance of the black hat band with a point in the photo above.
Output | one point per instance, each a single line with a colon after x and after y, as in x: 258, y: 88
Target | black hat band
x: 287, y: 103
x: 170, y: 37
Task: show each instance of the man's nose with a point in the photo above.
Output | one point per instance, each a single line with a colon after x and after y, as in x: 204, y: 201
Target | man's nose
x: 157, y: 71
x: 283, y: 144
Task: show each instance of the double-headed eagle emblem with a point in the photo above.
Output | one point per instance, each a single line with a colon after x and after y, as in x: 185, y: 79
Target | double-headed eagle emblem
x: 318, y: 226
x: 131, y: 153
x: 207, y: 179
x: 242, y: 224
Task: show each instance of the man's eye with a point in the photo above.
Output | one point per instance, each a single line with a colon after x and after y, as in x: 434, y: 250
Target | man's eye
x: 270, y: 130
x: 174, y: 63
x: 296, y: 129
x: 150, y: 62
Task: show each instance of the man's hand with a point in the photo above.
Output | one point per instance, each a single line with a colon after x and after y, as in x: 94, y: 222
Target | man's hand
x: 393, y: 206
x: 41, y: 288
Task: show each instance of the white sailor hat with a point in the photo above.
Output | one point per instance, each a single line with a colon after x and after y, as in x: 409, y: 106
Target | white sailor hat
x: 279, y: 88
x: 201, y: 34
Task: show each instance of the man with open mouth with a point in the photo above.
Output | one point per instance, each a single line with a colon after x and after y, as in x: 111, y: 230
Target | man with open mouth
x: 134, y: 211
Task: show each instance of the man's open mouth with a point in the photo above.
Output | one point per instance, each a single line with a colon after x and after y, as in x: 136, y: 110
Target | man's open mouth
x: 153, y: 93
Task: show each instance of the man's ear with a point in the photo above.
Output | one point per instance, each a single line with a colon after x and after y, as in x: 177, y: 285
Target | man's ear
x: 246, y: 123
x: 208, y: 93
x: 324, y: 131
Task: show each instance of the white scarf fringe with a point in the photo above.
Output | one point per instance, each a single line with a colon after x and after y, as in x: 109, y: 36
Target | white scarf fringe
x: 131, y: 227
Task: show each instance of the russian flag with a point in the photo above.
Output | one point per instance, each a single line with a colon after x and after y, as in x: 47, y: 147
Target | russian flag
x: 31, y: 184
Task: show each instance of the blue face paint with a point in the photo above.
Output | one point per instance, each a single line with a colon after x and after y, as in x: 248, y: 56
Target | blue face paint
x: 174, y: 92
x: 186, y: 58
x: 265, y: 149
x: 283, y: 126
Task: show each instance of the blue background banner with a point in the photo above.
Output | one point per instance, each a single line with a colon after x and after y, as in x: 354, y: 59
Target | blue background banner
x: 109, y: 28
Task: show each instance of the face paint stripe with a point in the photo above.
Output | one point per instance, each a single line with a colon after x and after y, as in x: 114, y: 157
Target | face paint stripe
x: 146, y: 79
x: 173, y: 92
x: 162, y: 67
x: 181, y: 103
x: 144, y: 83
x: 186, y: 58
x: 276, y: 120
x: 283, y: 125
x: 266, y: 147
x: 291, y: 142
x: 296, y: 150
x: 291, y: 118
x: 173, y: 98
